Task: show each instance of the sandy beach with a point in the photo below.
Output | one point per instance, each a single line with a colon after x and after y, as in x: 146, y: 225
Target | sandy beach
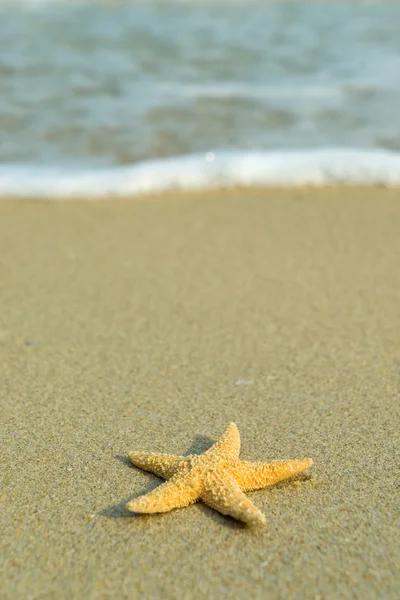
x: 150, y: 324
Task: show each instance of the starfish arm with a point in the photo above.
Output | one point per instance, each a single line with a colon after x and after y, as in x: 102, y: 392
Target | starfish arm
x: 223, y: 493
x: 175, y: 493
x: 163, y: 465
x: 228, y: 445
x: 254, y: 476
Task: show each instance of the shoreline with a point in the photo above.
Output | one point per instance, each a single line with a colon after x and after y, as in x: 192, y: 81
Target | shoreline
x: 205, y: 171
x: 207, y: 193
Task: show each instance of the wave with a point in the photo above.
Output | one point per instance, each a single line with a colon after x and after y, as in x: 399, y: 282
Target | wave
x: 38, y: 4
x: 196, y: 172
x: 226, y: 91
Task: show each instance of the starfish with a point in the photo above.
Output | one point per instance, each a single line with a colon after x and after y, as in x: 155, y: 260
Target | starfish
x: 217, y: 477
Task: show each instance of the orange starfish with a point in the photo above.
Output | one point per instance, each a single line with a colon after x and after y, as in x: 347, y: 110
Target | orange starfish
x: 218, y: 478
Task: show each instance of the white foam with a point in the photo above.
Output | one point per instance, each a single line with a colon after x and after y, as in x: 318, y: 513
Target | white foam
x: 211, y: 170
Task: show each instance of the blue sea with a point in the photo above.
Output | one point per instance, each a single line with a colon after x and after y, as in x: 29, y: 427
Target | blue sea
x: 114, y: 98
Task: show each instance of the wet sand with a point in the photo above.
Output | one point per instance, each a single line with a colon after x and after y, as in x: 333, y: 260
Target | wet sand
x: 150, y: 325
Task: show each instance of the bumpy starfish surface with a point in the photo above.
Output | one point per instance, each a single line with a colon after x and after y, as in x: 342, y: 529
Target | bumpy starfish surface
x: 218, y: 478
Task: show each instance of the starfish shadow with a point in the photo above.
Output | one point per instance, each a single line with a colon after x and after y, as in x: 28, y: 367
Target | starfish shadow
x: 200, y: 444
x: 119, y: 511
x: 124, y: 459
x: 224, y: 520
x: 299, y: 477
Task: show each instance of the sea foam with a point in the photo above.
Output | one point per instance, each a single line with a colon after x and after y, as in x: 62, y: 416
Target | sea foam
x: 196, y: 172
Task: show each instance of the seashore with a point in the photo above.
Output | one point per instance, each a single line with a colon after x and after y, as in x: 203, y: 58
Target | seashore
x: 150, y: 323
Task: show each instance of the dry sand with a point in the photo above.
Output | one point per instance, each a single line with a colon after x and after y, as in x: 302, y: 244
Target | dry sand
x: 150, y: 325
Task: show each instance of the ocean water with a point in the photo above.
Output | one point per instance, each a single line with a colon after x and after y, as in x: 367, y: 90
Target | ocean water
x: 123, y: 97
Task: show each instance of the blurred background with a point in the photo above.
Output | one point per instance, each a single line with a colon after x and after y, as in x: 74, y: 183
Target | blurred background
x: 112, y: 83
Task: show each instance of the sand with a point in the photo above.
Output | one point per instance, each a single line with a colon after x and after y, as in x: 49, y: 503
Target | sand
x: 150, y: 324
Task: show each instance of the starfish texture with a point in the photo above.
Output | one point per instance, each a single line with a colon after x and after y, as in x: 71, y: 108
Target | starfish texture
x: 218, y: 478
